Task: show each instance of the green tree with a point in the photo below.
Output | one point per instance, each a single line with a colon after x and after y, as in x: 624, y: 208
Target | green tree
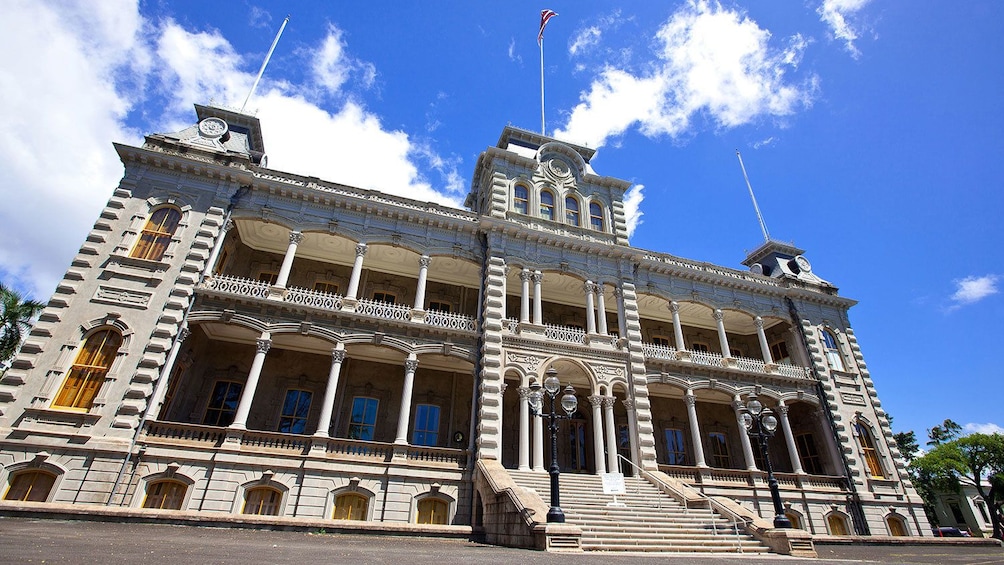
x: 15, y: 318
x: 908, y: 446
x: 978, y: 458
x: 947, y: 431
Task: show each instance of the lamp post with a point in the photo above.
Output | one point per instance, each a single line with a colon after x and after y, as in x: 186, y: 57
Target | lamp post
x: 760, y: 424
x: 568, y: 403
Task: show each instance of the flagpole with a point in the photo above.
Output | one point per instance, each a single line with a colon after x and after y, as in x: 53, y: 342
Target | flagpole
x: 542, y: 130
x: 265, y: 62
x: 763, y: 225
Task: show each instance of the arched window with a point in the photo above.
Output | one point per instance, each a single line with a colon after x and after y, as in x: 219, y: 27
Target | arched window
x: 157, y: 234
x: 519, y: 199
x: 263, y: 501
x: 433, y: 511
x: 837, y: 525
x: 350, y: 506
x: 572, y: 211
x: 832, y: 351
x: 897, y: 525
x: 165, y: 495
x: 547, y: 204
x: 89, y: 370
x: 30, y: 486
x: 868, y: 450
x: 596, y: 216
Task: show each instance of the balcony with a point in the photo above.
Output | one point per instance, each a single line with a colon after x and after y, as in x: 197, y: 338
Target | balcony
x: 670, y: 355
x: 243, y: 288
x: 176, y: 435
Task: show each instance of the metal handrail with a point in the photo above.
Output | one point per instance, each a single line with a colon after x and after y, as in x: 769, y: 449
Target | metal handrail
x: 679, y: 495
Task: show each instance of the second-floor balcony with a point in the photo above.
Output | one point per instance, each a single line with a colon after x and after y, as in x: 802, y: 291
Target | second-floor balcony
x: 241, y: 287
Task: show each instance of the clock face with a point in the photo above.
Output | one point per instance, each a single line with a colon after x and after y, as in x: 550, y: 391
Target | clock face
x: 803, y: 263
x: 212, y: 127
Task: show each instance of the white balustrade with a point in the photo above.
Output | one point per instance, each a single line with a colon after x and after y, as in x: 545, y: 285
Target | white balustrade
x: 450, y: 320
x: 385, y: 310
x: 706, y: 358
x: 314, y: 298
x: 751, y: 365
x: 238, y: 285
x: 564, y: 333
x: 655, y: 351
x: 792, y: 371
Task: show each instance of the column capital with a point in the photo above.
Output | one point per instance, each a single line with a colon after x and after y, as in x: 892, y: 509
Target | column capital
x: 183, y: 334
x: 596, y: 400
x: 264, y: 345
x: 599, y: 286
x: 737, y: 404
x: 618, y: 292
x: 608, y: 401
x: 410, y: 365
x: 337, y: 355
x: 718, y: 314
x: 628, y: 404
x: 537, y: 276
x: 227, y: 225
x: 361, y: 249
x: 295, y: 237
x: 782, y: 409
x: 674, y: 306
x: 424, y: 261
x: 525, y: 275
x: 690, y: 399
x: 758, y: 322
x: 503, y: 388
x: 524, y: 392
x: 589, y: 287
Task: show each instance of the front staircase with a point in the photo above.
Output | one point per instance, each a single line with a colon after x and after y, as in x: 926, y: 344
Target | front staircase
x: 649, y: 520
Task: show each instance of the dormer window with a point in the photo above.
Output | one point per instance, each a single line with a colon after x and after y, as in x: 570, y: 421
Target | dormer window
x: 547, y: 204
x: 596, y: 216
x: 519, y: 199
x: 571, y: 211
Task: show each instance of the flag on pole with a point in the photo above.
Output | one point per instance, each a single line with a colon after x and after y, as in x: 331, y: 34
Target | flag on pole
x: 544, y: 16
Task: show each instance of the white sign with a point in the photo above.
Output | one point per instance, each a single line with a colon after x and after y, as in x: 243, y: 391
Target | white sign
x: 613, y: 483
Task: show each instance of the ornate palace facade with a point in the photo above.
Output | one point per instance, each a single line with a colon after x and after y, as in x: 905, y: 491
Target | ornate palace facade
x: 234, y: 339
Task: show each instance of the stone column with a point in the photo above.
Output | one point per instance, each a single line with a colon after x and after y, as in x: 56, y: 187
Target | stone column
x: 214, y: 255
x: 601, y: 310
x: 611, y: 429
x: 590, y: 290
x: 632, y: 430
x: 524, y: 305
x: 764, y: 347
x: 596, y: 402
x: 324, y: 422
x: 357, y: 271
x: 247, y: 396
x: 423, y: 275
x: 538, y: 442
x: 502, y: 388
x: 695, y: 428
x: 538, y: 317
x: 744, y: 437
x: 157, y: 398
x: 789, y: 439
x: 295, y: 238
x: 722, y: 339
x: 674, y: 307
x: 524, y: 428
x: 404, y: 414
x: 621, y: 322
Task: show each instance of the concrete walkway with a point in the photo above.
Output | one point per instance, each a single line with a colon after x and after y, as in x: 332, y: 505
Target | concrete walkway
x: 61, y: 541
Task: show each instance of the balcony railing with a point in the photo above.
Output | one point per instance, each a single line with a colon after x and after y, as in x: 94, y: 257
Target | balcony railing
x: 249, y: 288
x: 566, y: 334
x: 450, y: 320
x: 742, y: 478
x: 179, y: 435
x: 385, y: 310
x: 709, y: 359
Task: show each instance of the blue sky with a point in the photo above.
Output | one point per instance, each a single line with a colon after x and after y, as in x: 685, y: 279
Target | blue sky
x: 871, y: 132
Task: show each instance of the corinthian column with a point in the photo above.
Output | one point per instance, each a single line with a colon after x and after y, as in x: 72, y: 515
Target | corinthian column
x: 295, y: 238
x: 597, y: 402
x: 404, y: 415
x: 247, y: 396
x: 695, y: 428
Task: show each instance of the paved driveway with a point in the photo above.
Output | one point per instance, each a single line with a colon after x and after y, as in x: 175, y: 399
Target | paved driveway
x: 25, y: 540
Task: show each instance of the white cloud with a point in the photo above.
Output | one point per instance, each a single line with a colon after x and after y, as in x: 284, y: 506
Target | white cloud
x: 632, y: 207
x: 66, y: 99
x: 513, y: 55
x: 713, y: 62
x: 988, y: 428
x: 835, y: 14
x: 973, y: 289
x: 584, y: 38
